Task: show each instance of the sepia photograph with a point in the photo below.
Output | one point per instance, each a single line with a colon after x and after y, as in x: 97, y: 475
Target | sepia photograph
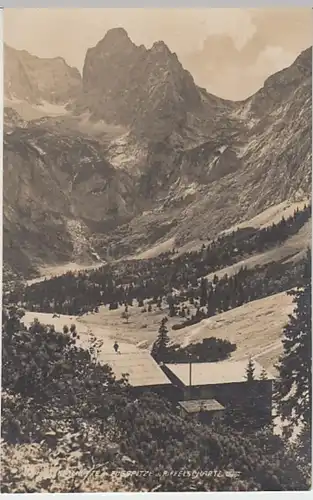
x: 156, y: 283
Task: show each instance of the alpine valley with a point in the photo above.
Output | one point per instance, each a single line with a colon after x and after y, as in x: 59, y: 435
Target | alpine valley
x: 132, y: 156
x: 156, y: 251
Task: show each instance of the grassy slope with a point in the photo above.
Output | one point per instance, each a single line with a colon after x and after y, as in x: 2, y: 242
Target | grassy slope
x: 289, y: 250
x: 255, y: 327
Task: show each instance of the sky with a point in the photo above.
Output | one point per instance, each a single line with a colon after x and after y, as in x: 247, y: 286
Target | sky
x: 228, y: 51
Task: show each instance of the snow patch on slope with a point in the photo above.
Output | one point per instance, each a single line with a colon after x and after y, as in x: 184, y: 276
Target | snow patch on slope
x: 29, y: 111
x: 125, y: 154
x: 52, y: 109
x: 35, y: 146
x: 82, y: 249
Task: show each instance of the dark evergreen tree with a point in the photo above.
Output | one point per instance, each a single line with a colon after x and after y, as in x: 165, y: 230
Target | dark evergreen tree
x: 250, y: 371
x: 215, y: 279
x: 160, y: 346
x: 263, y: 375
x: 293, y: 393
x: 251, y: 409
x: 203, y: 292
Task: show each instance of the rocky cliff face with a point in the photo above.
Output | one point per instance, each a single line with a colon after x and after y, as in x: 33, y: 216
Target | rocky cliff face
x: 34, y: 80
x: 145, y: 155
x: 258, y: 155
x: 271, y: 156
x: 278, y: 151
x: 146, y: 90
x: 52, y: 179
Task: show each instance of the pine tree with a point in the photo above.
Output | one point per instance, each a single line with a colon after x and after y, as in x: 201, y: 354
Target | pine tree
x: 251, y: 406
x: 160, y: 346
x: 250, y: 371
x: 203, y: 292
x: 215, y: 279
x: 294, y: 386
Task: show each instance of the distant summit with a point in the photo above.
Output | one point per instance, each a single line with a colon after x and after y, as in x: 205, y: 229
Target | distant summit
x: 116, y: 38
x: 33, y: 79
x: 145, y: 89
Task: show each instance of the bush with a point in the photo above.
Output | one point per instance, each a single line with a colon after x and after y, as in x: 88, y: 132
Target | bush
x: 55, y: 402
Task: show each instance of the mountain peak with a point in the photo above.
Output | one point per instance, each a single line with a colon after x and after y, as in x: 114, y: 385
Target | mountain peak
x: 160, y: 46
x: 117, y: 38
x: 305, y: 59
x: 280, y: 87
x: 130, y: 85
x: 118, y: 32
x: 33, y: 79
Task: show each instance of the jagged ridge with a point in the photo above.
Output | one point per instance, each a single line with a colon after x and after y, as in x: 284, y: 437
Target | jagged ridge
x: 187, y: 164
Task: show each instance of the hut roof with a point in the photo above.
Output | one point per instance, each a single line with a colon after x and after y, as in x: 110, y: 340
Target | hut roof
x: 195, y: 406
x: 221, y: 372
x: 140, y: 366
